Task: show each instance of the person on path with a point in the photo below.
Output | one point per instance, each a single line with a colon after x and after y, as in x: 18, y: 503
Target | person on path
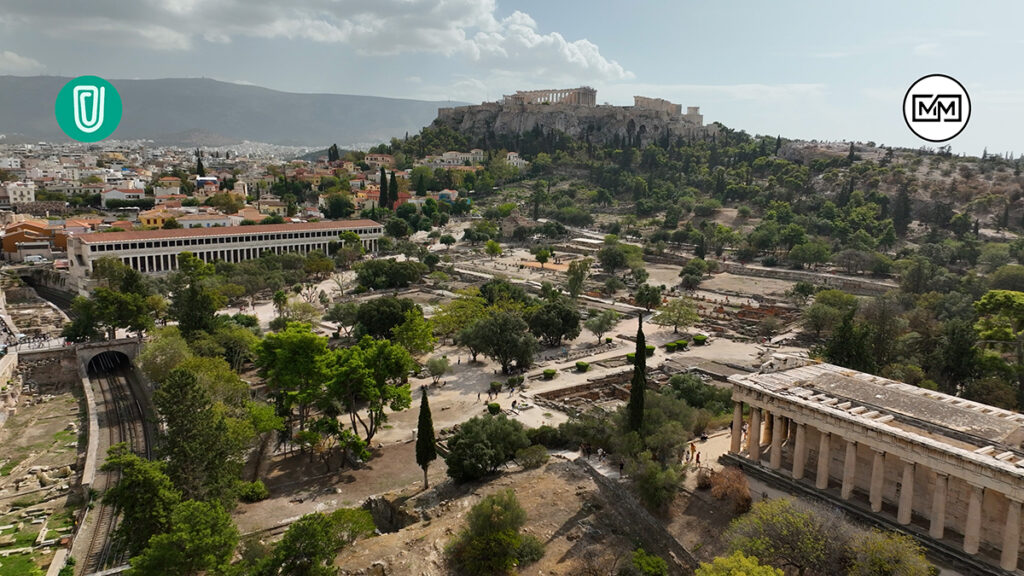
x: 698, y: 458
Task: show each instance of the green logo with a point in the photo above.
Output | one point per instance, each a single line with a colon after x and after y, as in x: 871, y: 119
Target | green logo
x: 88, y: 109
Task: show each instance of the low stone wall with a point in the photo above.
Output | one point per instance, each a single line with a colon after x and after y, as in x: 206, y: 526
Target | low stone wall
x: 865, y: 286
x: 49, y: 369
x: 646, y: 526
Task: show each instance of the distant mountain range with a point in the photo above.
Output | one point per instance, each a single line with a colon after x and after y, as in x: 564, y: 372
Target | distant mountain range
x: 192, y: 111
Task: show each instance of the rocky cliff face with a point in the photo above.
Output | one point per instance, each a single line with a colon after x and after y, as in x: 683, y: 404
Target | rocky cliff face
x: 597, y: 124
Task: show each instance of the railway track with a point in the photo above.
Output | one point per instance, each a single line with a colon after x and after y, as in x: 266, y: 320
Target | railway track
x: 124, y: 420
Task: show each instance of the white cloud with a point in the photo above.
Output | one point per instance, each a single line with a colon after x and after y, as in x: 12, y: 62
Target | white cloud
x: 469, y: 30
x: 11, y: 63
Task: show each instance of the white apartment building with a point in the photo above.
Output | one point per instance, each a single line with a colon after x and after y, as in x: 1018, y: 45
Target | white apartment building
x: 156, y: 251
x: 10, y: 163
x: 21, y: 192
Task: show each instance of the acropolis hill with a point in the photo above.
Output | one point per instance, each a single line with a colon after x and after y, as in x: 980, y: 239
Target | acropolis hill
x: 575, y: 112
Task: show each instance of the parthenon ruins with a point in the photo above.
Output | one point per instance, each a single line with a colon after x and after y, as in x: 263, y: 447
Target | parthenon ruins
x: 582, y: 96
x: 946, y: 469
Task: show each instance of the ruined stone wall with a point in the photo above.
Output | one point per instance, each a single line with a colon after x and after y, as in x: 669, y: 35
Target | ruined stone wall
x: 646, y: 526
x: 657, y: 104
x: 599, y: 124
x: 50, y: 369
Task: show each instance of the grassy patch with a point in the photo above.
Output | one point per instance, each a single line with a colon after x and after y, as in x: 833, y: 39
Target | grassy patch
x: 65, y: 436
x: 20, y: 565
x: 5, y: 470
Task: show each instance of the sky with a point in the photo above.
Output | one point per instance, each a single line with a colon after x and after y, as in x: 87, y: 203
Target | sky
x: 810, y: 70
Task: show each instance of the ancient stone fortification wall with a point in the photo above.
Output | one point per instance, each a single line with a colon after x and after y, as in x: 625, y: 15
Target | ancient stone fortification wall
x: 680, y: 561
x: 657, y: 104
x: 599, y: 124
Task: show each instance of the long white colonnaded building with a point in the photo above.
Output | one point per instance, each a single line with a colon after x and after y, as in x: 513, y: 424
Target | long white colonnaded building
x: 156, y: 251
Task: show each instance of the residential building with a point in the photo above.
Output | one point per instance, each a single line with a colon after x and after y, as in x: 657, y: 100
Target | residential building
x: 125, y: 194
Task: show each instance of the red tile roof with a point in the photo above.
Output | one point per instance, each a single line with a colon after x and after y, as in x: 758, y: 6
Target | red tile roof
x: 224, y: 231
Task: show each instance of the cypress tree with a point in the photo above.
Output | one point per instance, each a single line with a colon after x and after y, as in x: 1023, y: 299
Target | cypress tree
x: 638, y: 384
x: 426, y: 448
x: 200, y: 171
x: 385, y: 198
x: 393, y: 188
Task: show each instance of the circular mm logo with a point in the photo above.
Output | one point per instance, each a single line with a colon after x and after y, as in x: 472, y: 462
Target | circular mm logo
x: 937, y: 108
x: 88, y: 109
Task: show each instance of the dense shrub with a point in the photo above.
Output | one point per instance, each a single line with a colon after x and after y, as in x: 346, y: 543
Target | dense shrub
x: 682, y: 344
x: 496, y: 387
x: 582, y: 366
x: 493, y: 408
x: 253, y: 491
x: 491, y: 543
x: 532, y: 456
x: 549, y: 373
x: 608, y: 340
x: 699, y: 339
x: 548, y: 436
x: 655, y: 485
x: 631, y: 357
x: 699, y: 394
x: 650, y: 350
x: 644, y: 564
x: 670, y: 347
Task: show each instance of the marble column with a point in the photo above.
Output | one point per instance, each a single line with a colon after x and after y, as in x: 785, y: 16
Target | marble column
x: 1011, y: 536
x: 775, y: 460
x: 754, y: 434
x: 972, y: 531
x: 938, y: 515
x: 800, y: 451
x: 877, y: 478
x: 906, y: 510
x: 824, y: 457
x: 769, y: 428
x: 737, y: 427
x: 849, y: 469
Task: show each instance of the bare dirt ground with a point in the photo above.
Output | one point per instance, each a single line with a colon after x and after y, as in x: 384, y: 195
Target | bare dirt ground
x: 565, y: 509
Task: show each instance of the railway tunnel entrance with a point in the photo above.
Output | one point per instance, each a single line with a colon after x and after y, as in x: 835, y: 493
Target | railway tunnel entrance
x: 108, y: 361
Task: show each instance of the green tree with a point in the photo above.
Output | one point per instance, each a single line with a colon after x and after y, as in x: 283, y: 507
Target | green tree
x: 579, y: 271
x: 392, y: 188
x: 542, y: 255
x: 144, y: 494
x: 553, y: 321
x: 194, y: 300
x: 850, y: 346
x: 878, y: 553
x: 200, y: 170
x: 437, y: 367
x: 288, y: 361
x: 638, y: 383
x: 426, y: 449
x: 165, y: 350
x: 602, y: 322
x: 493, y: 248
x: 415, y: 333
x: 312, y: 542
x: 677, y: 313
x: 453, y: 316
x: 482, y: 445
x: 202, y: 540
x: 385, y: 192
x: 380, y: 316
x: 448, y: 240
x: 200, y: 462
x: 789, y: 536
x: 648, y: 297
x: 503, y: 336
x: 737, y: 564
x: 344, y: 314
x: 374, y: 372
